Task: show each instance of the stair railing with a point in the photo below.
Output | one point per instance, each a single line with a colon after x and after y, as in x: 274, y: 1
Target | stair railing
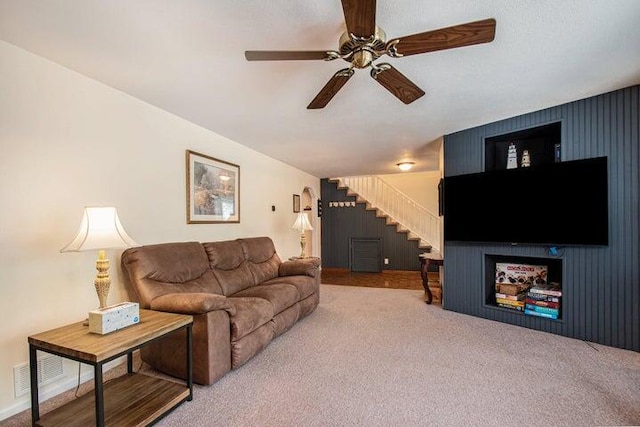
x: 397, y: 205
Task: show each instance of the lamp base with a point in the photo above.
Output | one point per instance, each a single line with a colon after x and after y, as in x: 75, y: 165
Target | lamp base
x: 102, y: 282
x: 303, y: 242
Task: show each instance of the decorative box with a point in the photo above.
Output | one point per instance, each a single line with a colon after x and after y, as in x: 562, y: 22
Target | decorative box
x: 518, y: 278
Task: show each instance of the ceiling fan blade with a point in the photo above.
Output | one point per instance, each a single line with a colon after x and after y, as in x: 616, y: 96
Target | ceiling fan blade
x: 330, y: 89
x: 360, y: 17
x: 396, y: 83
x: 444, y: 38
x: 289, y: 55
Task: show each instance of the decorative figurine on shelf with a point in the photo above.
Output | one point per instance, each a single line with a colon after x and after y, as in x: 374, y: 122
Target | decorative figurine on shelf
x: 512, y: 157
x: 526, y: 160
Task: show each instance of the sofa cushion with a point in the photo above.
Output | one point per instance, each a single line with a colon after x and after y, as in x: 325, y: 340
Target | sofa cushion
x: 280, y: 295
x: 160, y: 269
x: 247, y: 314
x: 190, y: 303
x: 301, y: 266
x: 308, y: 304
x: 227, y: 261
x: 248, y: 346
x: 285, y: 320
x: 261, y: 255
x: 304, y: 284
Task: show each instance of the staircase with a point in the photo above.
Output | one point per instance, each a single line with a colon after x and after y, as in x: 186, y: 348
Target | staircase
x: 396, y: 207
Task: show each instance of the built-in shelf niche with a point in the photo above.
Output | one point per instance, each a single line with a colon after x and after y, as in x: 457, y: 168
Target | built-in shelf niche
x: 541, y: 142
x: 554, y: 275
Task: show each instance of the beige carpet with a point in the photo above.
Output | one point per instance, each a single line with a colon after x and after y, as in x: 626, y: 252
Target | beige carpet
x: 382, y: 357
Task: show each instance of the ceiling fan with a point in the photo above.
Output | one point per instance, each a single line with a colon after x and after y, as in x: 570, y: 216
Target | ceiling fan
x: 365, y: 42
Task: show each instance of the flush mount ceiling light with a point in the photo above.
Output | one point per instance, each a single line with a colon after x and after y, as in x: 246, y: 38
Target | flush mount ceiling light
x: 405, y: 166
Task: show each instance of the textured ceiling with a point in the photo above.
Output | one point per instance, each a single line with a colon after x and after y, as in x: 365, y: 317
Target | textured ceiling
x: 187, y: 57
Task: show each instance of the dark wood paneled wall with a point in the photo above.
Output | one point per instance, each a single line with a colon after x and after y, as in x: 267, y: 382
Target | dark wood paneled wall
x: 339, y: 225
x: 601, y: 285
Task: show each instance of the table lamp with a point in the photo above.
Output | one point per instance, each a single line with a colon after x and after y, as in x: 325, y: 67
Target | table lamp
x: 100, y: 229
x: 302, y: 224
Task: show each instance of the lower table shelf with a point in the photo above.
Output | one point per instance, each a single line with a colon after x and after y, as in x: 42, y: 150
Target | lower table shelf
x: 129, y: 400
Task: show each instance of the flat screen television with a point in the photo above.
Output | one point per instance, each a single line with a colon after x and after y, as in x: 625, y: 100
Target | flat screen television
x: 563, y: 203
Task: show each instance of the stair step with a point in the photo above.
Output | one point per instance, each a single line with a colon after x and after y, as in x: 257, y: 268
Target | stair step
x: 389, y: 220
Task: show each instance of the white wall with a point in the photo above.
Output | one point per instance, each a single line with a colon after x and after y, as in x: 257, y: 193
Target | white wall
x: 68, y: 141
x: 420, y: 186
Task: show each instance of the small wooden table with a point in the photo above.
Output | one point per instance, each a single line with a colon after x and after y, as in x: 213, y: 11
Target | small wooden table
x: 130, y: 400
x: 426, y: 261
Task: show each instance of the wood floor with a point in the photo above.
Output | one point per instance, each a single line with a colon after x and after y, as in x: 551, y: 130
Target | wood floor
x: 392, y: 279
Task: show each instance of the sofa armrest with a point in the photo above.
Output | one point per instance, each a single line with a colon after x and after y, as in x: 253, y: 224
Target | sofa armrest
x: 300, y: 267
x: 190, y: 303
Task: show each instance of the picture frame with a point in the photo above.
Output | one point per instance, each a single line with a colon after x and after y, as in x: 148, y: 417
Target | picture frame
x: 213, y: 190
x: 296, y: 203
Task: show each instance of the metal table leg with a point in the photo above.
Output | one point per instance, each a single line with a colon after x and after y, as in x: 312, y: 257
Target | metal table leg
x: 33, y: 372
x: 99, y: 394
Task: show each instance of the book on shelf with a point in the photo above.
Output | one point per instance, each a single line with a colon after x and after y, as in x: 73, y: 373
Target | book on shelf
x: 511, y: 307
x: 542, y: 297
x: 545, y: 292
x: 546, y: 310
x: 552, y: 289
x: 509, y: 302
x: 540, y: 314
x: 542, y: 303
x: 518, y: 297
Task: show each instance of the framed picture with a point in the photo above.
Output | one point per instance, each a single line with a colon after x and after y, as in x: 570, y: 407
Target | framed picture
x: 296, y: 203
x: 213, y: 190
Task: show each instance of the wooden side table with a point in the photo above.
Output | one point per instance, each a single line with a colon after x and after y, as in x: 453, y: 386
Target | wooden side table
x: 426, y: 261
x: 130, y: 400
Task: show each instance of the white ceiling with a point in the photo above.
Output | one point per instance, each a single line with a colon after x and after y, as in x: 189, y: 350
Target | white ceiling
x: 187, y: 57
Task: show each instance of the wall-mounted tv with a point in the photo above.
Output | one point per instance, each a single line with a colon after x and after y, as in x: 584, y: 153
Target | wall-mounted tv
x: 563, y: 203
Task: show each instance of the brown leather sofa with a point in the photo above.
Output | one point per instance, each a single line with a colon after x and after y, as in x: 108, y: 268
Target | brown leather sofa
x: 239, y: 292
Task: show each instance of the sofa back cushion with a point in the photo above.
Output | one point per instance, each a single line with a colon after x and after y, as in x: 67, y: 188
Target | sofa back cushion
x: 261, y: 255
x: 155, y: 270
x: 229, y: 266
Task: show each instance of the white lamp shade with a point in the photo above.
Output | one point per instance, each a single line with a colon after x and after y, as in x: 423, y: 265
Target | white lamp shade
x: 100, y: 228
x: 302, y: 222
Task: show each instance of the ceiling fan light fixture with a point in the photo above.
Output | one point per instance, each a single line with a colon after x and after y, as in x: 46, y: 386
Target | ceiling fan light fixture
x: 362, y: 58
x: 405, y: 166
x: 364, y: 42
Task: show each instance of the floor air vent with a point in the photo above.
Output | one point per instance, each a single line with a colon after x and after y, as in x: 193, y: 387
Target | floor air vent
x: 49, y: 370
